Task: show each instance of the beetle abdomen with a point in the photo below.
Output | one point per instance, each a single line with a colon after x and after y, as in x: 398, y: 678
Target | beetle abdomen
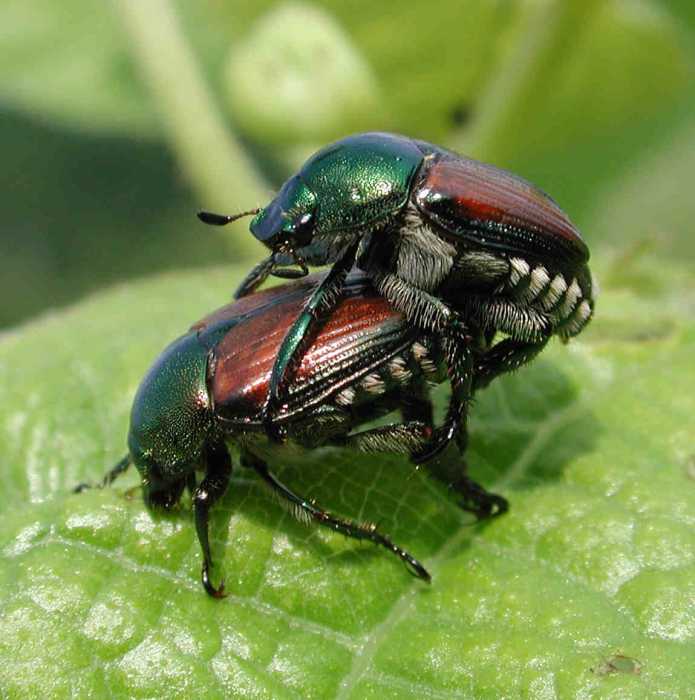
x: 495, y: 209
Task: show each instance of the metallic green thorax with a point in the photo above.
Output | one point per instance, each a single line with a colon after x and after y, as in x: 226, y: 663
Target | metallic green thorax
x: 350, y: 186
x: 172, y: 416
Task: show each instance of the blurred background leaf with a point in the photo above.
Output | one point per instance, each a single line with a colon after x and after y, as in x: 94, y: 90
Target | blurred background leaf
x: 118, y: 121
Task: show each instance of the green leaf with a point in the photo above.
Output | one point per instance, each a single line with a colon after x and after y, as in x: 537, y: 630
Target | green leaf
x: 584, y: 589
x: 69, y: 61
x: 297, y: 77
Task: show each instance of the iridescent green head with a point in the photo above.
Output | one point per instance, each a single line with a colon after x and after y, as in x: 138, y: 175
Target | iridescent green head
x: 171, y: 420
x: 354, y: 185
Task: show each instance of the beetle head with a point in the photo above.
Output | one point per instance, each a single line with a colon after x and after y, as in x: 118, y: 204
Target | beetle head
x: 350, y: 187
x: 288, y: 226
x: 171, y: 420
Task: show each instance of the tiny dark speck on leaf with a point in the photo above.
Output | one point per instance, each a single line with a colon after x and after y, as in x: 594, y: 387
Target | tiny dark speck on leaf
x: 460, y: 115
x: 618, y: 663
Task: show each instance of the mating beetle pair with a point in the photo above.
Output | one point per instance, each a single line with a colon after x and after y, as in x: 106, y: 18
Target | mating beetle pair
x: 450, y: 242
x: 457, y: 251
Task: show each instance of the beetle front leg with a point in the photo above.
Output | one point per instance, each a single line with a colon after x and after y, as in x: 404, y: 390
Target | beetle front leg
x: 210, y: 490
x: 320, y: 302
x: 255, y: 277
x: 306, y: 510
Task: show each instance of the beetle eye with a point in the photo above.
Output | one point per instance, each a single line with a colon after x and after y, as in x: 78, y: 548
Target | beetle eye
x: 303, y: 229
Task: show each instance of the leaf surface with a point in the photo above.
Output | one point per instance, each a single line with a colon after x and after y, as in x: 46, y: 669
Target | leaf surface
x: 585, y: 589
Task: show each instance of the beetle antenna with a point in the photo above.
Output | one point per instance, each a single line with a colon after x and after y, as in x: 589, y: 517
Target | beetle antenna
x: 110, y: 476
x: 207, y: 217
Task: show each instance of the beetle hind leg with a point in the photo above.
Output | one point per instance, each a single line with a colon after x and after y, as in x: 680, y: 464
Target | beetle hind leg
x: 459, y: 361
x: 474, y: 498
x: 399, y: 438
x: 477, y: 500
x: 504, y: 357
x: 307, y: 511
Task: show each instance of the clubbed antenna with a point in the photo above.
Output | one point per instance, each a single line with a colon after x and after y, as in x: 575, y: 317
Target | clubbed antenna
x: 207, y: 217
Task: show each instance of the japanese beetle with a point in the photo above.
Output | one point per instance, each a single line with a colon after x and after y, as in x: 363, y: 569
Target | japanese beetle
x: 207, y: 390
x: 449, y: 241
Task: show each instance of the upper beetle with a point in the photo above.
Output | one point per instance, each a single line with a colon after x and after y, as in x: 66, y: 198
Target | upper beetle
x: 451, y: 242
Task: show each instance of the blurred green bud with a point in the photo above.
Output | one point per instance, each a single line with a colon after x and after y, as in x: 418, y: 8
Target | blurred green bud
x: 297, y: 77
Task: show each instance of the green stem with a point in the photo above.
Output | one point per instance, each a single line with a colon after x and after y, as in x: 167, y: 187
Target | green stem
x: 223, y: 177
x: 524, y: 82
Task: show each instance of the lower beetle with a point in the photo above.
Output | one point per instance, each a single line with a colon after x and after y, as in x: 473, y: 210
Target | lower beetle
x: 207, y: 390
x: 436, y: 232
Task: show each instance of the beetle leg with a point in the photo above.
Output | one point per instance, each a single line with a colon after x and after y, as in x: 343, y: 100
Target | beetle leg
x: 327, y: 425
x: 306, y: 510
x: 399, y: 438
x: 477, y: 500
x: 109, y: 477
x: 505, y: 356
x: 191, y: 483
x: 255, y: 277
x: 474, y: 498
x: 419, y: 307
x: 321, y: 301
x: 430, y: 313
x: 459, y: 361
x: 210, y: 490
x: 415, y: 404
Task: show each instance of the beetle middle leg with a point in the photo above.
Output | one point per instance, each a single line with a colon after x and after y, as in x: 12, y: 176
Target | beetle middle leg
x: 307, y: 510
x: 211, y: 489
x: 431, y: 313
